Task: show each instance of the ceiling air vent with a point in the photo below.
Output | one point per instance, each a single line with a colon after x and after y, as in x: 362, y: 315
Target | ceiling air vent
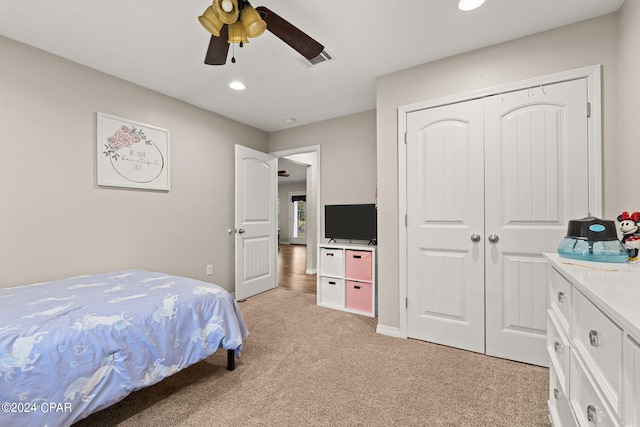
x: 323, y: 57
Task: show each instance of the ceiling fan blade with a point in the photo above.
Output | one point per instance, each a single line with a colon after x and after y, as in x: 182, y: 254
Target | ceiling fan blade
x: 218, y: 48
x: 291, y: 35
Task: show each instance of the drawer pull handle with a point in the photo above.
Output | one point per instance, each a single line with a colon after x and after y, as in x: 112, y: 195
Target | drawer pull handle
x: 593, y: 338
x: 591, y: 413
x: 556, y: 393
x: 558, y: 347
x: 357, y: 287
x: 329, y: 254
x: 562, y: 297
x: 332, y: 283
x: 357, y: 256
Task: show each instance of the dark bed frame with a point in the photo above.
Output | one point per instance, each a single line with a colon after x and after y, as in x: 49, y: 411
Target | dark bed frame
x: 231, y: 360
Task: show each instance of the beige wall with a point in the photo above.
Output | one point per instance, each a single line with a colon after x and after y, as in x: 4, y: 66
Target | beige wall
x: 629, y: 107
x: 587, y: 43
x: 347, y: 156
x: 55, y: 221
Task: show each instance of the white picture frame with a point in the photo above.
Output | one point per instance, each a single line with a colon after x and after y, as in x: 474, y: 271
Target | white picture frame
x: 131, y: 154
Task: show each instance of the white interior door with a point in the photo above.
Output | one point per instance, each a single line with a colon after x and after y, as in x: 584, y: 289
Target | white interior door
x: 255, y: 221
x: 445, y: 219
x: 536, y: 181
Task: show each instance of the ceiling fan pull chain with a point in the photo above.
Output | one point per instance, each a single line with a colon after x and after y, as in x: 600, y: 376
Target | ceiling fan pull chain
x: 233, y: 47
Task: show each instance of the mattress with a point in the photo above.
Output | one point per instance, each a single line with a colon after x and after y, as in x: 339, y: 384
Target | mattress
x: 71, y: 347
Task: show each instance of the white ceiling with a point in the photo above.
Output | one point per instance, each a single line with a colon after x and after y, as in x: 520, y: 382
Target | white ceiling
x: 159, y: 44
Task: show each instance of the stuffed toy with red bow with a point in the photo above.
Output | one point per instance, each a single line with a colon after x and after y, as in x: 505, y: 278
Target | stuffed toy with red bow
x: 630, y: 233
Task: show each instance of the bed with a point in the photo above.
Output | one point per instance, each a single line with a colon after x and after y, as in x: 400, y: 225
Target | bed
x: 71, y: 347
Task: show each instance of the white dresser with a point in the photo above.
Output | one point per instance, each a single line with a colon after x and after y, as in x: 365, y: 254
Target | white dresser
x: 593, y: 339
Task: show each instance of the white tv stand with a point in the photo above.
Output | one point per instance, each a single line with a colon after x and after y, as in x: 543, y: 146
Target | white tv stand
x: 347, y: 278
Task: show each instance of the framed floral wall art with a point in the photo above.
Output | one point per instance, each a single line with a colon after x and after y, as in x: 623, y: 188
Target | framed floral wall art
x: 131, y: 154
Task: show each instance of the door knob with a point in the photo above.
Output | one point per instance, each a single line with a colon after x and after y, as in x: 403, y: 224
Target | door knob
x: 475, y: 237
x: 240, y: 230
x: 493, y: 238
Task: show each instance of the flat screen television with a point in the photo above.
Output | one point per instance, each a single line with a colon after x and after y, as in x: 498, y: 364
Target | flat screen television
x: 351, y: 222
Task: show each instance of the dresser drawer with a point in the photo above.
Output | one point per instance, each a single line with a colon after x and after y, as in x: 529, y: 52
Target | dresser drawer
x: 358, y: 265
x: 559, y: 407
x: 599, y: 341
x: 331, y: 262
x: 587, y: 402
x: 559, y: 348
x: 332, y: 291
x: 560, y: 292
x: 631, y: 383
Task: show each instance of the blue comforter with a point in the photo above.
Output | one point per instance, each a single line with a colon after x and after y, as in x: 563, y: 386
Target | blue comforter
x: 71, y: 347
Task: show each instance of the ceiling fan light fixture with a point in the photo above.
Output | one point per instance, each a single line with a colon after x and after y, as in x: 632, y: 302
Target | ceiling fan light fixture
x: 252, y: 22
x: 467, y: 5
x: 210, y: 21
x: 237, y: 33
x: 230, y: 16
x: 227, y: 6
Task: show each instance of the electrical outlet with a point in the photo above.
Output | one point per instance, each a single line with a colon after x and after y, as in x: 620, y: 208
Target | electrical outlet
x: 209, y: 269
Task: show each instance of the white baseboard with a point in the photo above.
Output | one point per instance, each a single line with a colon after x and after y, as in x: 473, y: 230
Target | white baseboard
x: 388, y: 330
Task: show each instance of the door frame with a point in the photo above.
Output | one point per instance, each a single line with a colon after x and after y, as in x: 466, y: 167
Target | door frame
x: 315, y: 173
x: 592, y: 74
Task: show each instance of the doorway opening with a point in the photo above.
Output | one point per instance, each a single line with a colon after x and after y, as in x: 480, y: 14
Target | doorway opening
x: 298, y: 217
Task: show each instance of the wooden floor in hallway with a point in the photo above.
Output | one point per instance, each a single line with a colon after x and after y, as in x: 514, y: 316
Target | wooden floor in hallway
x: 292, y: 267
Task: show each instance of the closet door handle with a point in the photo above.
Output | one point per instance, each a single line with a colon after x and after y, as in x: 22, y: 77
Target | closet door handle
x: 493, y: 238
x: 557, y: 347
x: 475, y: 237
x: 562, y: 297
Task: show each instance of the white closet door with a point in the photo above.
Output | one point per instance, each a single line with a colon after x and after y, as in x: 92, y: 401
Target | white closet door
x: 445, y: 208
x: 536, y: 174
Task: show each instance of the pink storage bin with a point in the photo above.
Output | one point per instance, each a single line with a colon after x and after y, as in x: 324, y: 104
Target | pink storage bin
x: 358, y: 265
x: 358, y: 296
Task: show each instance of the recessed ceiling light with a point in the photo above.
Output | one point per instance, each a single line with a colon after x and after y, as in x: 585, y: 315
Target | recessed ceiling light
x: 237, y: 85
x: 290, y: 120
x: 467, y: 5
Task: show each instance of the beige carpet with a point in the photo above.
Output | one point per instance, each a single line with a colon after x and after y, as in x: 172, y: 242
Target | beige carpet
x: 308, y: 365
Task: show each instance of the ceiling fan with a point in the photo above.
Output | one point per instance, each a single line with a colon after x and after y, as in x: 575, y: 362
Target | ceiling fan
x: 233, y: 21
x: 283, y: 173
